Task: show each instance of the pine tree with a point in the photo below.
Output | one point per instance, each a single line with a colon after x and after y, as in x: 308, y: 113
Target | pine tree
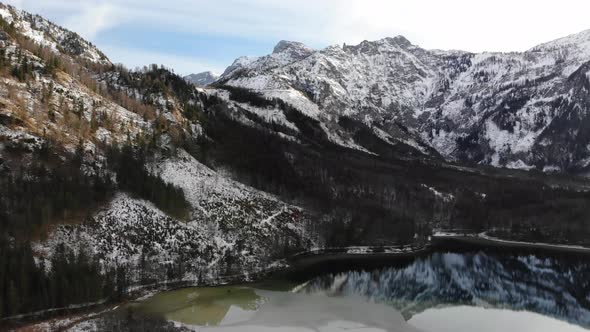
x: 81, y: 109
x: 13, y: 303
x: 94, y: 121
x: 3, y: 61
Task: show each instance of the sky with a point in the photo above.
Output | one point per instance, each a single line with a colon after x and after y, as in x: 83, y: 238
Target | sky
x: 192, y: 36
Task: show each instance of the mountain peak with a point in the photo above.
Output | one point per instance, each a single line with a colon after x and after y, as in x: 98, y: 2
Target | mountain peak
x: 294, y: 49
x: 285, y: 45
x: 398, y: 40
x: 370, y: 46
x: 202, y: 79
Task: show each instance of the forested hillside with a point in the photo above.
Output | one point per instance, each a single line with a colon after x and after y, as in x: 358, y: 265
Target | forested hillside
x: 113, y: 179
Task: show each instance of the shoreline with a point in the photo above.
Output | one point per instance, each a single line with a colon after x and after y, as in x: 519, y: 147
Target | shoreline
x: 316, y: 261
x: 481, y: 239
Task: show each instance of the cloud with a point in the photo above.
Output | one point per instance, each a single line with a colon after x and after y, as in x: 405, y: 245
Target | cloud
x: 473, y: 25
x: 500, y: 25
x: 137, y: 58
x: 90, y: 20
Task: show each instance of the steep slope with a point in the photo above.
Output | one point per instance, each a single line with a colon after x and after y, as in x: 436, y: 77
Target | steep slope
x: 232, y: 230
x: 64, y: 121
x: 503, y: 109
x: 77, y: 108
x: 52, y: 36
x: 136, y: 176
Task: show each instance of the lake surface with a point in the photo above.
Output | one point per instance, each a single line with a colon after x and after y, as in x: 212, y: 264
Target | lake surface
x: 443, y: 291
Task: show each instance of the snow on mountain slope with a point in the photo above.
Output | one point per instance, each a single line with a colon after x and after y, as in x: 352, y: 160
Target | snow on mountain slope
x: 272, y: 116
x: 62, y: 110
x: 50, y: 35
x: 570, y: 49
x: 233, y: 229
x: 284, y: 53
x: 492, y: 108
x: 202, y: 79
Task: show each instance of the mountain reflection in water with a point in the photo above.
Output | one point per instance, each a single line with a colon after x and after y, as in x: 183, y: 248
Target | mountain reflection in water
x: 203, y: 306
x: 459, y: 292
x: 553, y: 287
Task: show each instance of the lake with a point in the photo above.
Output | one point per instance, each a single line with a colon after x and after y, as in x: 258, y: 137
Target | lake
x: 459, y: 291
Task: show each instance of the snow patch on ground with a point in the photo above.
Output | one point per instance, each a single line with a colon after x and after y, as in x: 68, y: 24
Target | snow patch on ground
x: 446, y: 197
x: 232, y: 228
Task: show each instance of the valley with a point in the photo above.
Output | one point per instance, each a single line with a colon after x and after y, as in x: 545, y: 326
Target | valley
x: 118, y: 183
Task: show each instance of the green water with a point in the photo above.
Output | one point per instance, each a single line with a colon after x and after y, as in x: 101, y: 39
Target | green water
x: 208, y: 305
x: 200, y: 306
x: 458, y: 292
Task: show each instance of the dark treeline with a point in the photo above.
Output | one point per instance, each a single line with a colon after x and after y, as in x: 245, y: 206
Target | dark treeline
x: 74, y: 279
x: 385, y: 198
x: 335, y: 182
x: 156, y: 79
x: 242, y: 95
x: 51, y: 191
x: 32, y: 199
x: 48, y: 191
x: 132, y: 176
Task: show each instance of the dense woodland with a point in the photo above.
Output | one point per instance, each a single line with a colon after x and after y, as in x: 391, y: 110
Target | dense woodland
x: 374, y: 199
x: 74, y: 278
x: 52, y: 191
x: 129, y: 165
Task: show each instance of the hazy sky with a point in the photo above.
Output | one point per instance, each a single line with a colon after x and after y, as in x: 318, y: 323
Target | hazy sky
x: 197, y: 35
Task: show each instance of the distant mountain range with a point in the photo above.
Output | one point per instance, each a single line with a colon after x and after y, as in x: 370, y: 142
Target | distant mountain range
x: 526, y: 110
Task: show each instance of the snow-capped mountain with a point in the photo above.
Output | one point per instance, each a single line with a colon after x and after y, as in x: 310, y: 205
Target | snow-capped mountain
x: 517, y: 110
x: 202, y: 79
x: 84, y: 104
x: 264, y: 175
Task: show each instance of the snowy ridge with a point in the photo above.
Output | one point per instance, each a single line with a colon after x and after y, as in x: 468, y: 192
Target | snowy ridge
x: 50, y: 35
x: 502, y: 109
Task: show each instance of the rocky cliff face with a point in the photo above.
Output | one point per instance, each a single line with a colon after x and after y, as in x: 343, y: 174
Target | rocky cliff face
x: 518, y: 110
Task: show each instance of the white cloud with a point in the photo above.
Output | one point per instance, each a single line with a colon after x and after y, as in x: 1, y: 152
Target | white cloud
x: 467, y: 24
x: 499, y: 25
x: 90, y: 20
x: 183, y: 65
